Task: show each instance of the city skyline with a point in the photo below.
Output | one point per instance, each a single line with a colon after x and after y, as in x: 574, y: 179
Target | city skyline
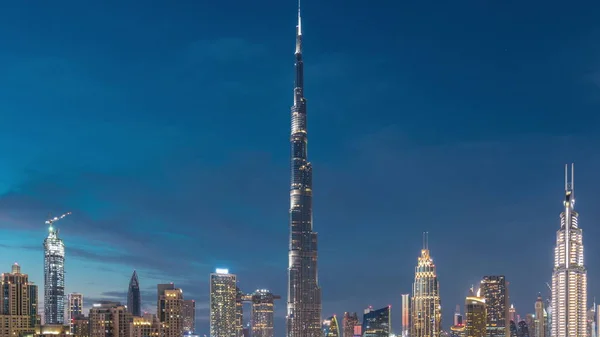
x: 78, y: 161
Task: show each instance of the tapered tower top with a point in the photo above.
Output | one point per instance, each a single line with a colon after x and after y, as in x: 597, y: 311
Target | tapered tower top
x: 299, y: 32
x: 569, y: 186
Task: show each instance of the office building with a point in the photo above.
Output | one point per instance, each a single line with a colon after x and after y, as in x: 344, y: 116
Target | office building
x: 539, y: 319
x: 34, y: 315
x: 494, y: 289
x: 75, y: 301
x: 569, y: 279
x: 145, y: 326
x: 475, y: 312
x: 80, y: 326
x: 263, y: 313
x: 134, y: 298
x: 223, y: 304
x: 426, y: 311
x: 189, y: 317
x: 377, y: 323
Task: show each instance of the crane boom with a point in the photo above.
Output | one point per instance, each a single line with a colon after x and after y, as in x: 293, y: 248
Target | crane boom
x: 56, y: 218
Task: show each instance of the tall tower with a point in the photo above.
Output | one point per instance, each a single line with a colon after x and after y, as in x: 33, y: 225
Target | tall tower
x: 331, y: 328
x: 539, y: 320
x: 189, y: 316
x: 304, y: 293
x: 426, y: 313
x: 170, y: 310
x: 223, y: 309
x: 54, y: 278
x: 494, y: 290
x: 377, y: 323
x: 405, y: 315
x: 15, y: 303
x: 263, y: 313
x: 134, y: 300
x: 569, y: 279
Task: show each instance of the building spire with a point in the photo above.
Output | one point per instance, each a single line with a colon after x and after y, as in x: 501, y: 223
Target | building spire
x: 299, y: 32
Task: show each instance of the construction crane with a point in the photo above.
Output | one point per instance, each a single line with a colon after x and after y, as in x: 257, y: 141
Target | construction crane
x: 56, y: 218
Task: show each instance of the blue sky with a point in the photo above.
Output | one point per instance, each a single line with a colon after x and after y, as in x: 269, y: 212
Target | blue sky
x: 163, y: 126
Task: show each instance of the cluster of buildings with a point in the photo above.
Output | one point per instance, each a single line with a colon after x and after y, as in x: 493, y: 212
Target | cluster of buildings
x: 486, y: 309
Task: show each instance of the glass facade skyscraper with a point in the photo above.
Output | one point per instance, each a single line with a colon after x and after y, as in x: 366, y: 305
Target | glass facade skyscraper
x: 134, y: 300
x: 494, y: 289
x: 304, y: 293
x: 54, y: 278
x: 223, y: 308
x: 426, y: 311
x: 377, y: 323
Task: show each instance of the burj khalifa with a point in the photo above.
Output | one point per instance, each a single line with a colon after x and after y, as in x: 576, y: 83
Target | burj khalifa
x: 304, y: 293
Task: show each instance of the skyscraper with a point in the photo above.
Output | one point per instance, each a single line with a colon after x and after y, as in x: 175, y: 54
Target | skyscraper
x: 426, y: 313
x: 512, y: 314
x: 189, y: 316
x: 263, y: 313
x: 134, y: 300
x: 377, y: 323
x: 405, y: 315
x: 304, y: 293
x: 495, y: 292
x: 540, y: 317
x: 54, y: 277
x: 475, y: 312
x: 331, y: 328
x: 350, y: 321
x: 170, y: 310
x: 223, y: 295
x: 75, y: 308
x: 239, y: 312
x: 569, y: 279
x: 33, y: 305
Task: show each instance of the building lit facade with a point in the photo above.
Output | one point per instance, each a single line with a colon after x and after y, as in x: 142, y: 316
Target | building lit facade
x: 33, y: 305
x: 426, y: 310
x: 405, y: 315
x: 54, y: 278
x: 134, y: 298
x: 475, y: 312
x: 263, y: 313
x: 75, y: 301
x: 189, y: 316
x: 170, y: 310
x: 494, y: 289
x: 223, y: 295
x: 377, y: 323
x: 146, y: 326
x: 15, y: 309
x: 80, y: 326
x: 569, y: 279
x: 540, y: 317
x: 331, y: 328
x: 349, y: 322
x: 109, y: 319
x: 304, y: 294
x: 239, y: 311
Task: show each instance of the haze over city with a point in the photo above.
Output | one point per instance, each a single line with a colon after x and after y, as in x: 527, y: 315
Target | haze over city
x: 165, y: 129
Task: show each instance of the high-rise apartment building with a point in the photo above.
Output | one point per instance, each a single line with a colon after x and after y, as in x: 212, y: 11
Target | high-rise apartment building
x: 458, y: 319
x: 377, y: 323
x: 304, y: 293
x: 350, y: 321
x: 109, y: 319
x: 494, y: 289
x: 539, y: 319
x: 189, y: 316
x: 426, y: 313
x: 146, y: 326
x: 15, y: 305
x: 223, y: 299
x: 134, y: 299
x: 54, y: 276
x: 81, y: 326
x: 512, y: 314
x: 75, y: 301
x: 475, y: 311
x: 405, y: 315
x: 331, y: 328
x: 263, y: 313
x: 569, y: 279
x: 170, y: 310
